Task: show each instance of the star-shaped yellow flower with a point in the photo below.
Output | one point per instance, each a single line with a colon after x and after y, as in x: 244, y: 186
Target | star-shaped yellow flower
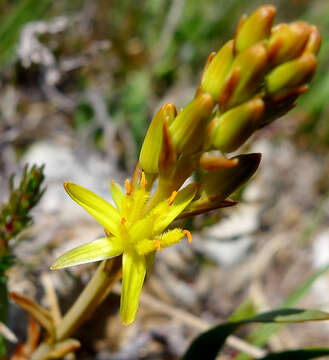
x: 132, y: 229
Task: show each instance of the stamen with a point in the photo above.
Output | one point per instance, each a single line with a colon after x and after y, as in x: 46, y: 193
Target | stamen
x: 128, y: 187
x: 158, y: 244
x: 188, y: 234
x: 143, y: 180
x: 107, y: 232
x: 123, y: 220
x: 172, y: 198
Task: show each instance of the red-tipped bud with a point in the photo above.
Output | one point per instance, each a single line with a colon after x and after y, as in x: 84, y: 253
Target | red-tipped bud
x: 247, y: 73
x: 291, y: 74
x: 230, y: 130
x: 150, y: 153
x: 314, y: 41
x: 221, y: 183
x: 212, y: 162
x: 188, y: 128
x: 255, y: 28
x: 287, y: 42
x: 216, y: 73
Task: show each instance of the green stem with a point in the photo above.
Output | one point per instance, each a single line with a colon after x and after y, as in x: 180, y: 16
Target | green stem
x: 106, y: 275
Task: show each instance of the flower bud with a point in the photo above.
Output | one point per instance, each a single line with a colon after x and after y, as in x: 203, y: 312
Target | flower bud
x: 218, y: 185
x: 215, y: 75
x: 211, y: 162
x: 314, y: 41
x: 230, y: 130
x: 255, y: 28
x: 291, y: 74
x: 287, y: 42
x: 167, y: 157
x: 186, y: 132
x: 247, y: 73
x: 150, y: 153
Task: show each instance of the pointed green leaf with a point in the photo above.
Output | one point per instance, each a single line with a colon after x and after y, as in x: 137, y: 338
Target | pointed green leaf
x: 166, y: 213
x: 303, y: 354
x: 244, y: 310
x: 133, y: 275
x: 101, y: 249
x: 262, y: 334
x: 211, y: 341
x: 100, y: 209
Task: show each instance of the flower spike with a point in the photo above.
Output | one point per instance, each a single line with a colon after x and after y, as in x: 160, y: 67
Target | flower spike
x: 252, y: 80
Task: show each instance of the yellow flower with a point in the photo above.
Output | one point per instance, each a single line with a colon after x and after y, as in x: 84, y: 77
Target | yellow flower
x: 132, y: 229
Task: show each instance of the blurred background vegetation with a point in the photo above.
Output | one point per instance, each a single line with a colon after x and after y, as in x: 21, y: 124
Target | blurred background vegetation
x: 132, y: 54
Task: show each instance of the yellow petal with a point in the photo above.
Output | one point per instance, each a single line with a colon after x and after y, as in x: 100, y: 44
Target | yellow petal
x: 146, y: 246
x: 101, y: 249
x: 100, y: 209
x: 166, y: 213
x: 171, y: 237
x: 133, y: 274
x: 142, y: 228
x: 117, y: 194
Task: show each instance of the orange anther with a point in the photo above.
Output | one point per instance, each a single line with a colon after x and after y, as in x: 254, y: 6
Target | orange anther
x: 123, y: 220
x: 188, y: 234
x: 128, y: 187
x: 158, y: 245
x: 172, y: 198
x: 107, y: 232
x: 143, y: 180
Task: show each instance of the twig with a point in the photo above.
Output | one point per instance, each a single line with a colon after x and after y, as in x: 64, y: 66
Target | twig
x: 7, y: 333
x: 256, y: 265
x: 52, y: 297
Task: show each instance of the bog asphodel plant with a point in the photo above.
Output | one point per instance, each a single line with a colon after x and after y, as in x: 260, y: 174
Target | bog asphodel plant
x: 252, y: 80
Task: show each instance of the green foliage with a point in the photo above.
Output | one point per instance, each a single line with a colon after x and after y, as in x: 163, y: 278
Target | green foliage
x: 83, y: 115
x: 262, y: 334
x: 14, y: 215
x: 11, y: 24
x: 134, y: 101
x: 210, y: 342
x: 304, y: 354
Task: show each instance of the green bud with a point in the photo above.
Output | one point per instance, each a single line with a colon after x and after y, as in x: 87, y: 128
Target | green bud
x: 230, y: 130
x: 150, y: 153
x: 287, y: 42
x: 255, y: 28
x: 216, y: 73
x: 291, y: 74
x: 247, y: 74
x: 186, y: 132
x: 218, y: 185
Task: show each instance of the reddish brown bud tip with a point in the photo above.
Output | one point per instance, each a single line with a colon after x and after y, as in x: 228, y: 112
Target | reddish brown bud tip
x: 187, y: 129
x: 314, y: 41
x: 247, y: 74
x: 211, y: 162
x: 291, y: 74
x: 287, y: 42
